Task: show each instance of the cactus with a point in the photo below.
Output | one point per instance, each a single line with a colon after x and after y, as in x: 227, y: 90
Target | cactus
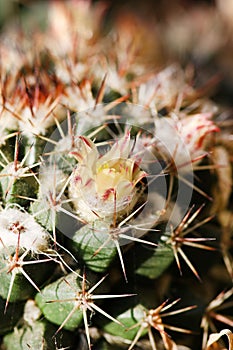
x: 115, y: 186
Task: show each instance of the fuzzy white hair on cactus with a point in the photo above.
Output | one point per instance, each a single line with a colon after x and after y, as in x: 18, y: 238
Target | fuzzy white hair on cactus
x: 43, y: 121
x: 46, y: 174
x: 104, y: 186
x: 14, y: 222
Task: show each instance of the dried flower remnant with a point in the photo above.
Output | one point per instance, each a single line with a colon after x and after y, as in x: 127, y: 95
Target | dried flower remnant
x: 215, y: 337
x: 221, y: 191
x: 104, y: 187
x: 212, y: 316
x: 226, y: 240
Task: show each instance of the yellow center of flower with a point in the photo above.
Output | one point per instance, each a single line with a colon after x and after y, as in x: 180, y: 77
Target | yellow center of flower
x: 109, y: 175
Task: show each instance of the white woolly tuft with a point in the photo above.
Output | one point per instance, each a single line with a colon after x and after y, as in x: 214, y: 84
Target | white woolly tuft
x: 14, y: 222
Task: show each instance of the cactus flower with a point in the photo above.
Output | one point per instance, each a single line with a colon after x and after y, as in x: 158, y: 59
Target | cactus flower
x: 104, y: 186
x: 190, y: 140
x: 195, y: 129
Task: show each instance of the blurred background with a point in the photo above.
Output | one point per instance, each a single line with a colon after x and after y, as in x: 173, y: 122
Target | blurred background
x: 197, y: 32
